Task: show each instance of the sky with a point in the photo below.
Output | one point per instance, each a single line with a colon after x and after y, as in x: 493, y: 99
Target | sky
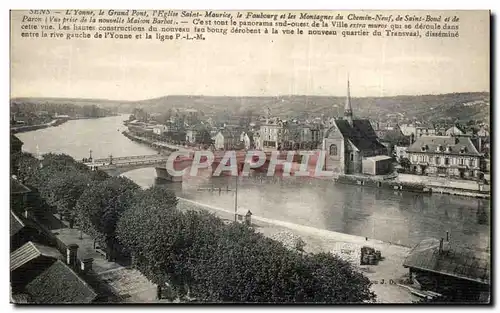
x: 253, y: 65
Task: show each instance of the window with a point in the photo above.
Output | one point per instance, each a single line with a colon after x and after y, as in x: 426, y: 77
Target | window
x: 352, y: 156
x: 446, y: 161
x: 471, y: 162
x: 461, y: 161
x: 438, y: 160
x: 333, y: 149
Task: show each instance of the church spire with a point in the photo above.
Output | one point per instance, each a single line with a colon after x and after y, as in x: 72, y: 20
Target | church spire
x: 348, y: 108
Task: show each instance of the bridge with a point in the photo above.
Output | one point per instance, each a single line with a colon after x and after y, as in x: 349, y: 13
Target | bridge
x: 116, y: 166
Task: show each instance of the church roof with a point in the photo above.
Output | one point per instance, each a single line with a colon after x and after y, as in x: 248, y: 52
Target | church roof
x: 361, y: 134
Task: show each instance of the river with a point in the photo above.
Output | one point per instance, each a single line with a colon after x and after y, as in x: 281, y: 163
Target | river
x: 399, y: 217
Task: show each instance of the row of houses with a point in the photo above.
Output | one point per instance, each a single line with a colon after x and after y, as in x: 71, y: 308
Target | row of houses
x: 41, y: 270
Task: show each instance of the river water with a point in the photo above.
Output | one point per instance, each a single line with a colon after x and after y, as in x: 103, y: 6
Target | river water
x: 399, y: 217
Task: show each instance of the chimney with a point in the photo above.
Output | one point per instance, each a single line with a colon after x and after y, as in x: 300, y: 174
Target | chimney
x: 87, y: 265
x: 441, y: 246
x: 71, y: 254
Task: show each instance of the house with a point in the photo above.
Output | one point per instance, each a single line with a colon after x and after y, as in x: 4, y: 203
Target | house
x: 24, y: 229
x: 449, y: 269
x: 248, y: 140
x: 414, y: 132
x: 159, y: 129
x: 445, y: 156
x: 257, y: 140
x: 400, y: 152
x: 59, y: 284
x: 19, y: 195
x: 349, y: 141
x: 393, y: 138
x: 16, y: 144
x: 226, y: 140
x: 425, y: 131
x: 271, y: 133
x: 483, y: 132
x: 197, y: 134
x: 29, y: 261
x: 454, y: 131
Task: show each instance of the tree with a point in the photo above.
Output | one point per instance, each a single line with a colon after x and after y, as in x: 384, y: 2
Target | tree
x: 28, y: 169
x: 198, y: 255
x: 205, y: 137
x: 61, y: 161
x: 167, y: 242
x: 100, y: 206
x: 405, y: 163
x: 63, y: 190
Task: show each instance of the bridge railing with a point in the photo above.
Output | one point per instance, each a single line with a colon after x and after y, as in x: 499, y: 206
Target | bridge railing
x: 132, y: 157
x: 146, y: 162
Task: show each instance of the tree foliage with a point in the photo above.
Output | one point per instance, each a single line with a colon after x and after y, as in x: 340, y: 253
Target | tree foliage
x: 63, y: 189
x: 199, y: 255
x: 100, y: 206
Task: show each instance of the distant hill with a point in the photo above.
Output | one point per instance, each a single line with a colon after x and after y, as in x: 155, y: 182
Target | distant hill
x: 453, y: 106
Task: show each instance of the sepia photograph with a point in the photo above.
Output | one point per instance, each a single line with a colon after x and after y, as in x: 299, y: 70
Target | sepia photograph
x: 250, y: 156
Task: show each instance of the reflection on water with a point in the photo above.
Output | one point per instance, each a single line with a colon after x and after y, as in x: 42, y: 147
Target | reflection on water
x: 398, y: 217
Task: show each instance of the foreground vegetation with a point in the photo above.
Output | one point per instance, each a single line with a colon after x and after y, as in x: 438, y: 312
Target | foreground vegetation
x: 199, y: 256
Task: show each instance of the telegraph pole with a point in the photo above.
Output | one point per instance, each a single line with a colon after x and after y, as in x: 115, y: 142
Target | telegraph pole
x: 236, y: 200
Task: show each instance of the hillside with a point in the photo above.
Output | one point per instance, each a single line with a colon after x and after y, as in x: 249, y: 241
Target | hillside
x: 454, y: 106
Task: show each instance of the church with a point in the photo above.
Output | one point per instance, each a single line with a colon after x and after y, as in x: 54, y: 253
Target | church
x: 352, y: 146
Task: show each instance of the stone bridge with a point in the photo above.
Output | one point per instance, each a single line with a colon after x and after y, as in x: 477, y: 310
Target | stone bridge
x: 116, y: 166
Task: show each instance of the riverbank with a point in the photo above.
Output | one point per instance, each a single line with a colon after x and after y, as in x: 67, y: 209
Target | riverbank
x: 384, y: 275
x: 27, y: 128
x: 418, y: 184
x: 53, y: 123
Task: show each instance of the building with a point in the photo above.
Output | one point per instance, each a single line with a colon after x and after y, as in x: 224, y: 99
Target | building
x: 445, y: 156
x: 248, y: 140
x: 16, y: 145
x: 451, y: 270
x: 483, y: 132
x: 425, y: 131
x: 226, y: 140
x: 349, y: 141
x: 257, y: 140
x: 159, y: 129
x: 414, y: 132
x: 271, y: 133
x: 29, y: 261
x: 59, y: 284
x: 454, y: 131
x: 19, y: 195
x: 24, y: 229
x: 392, y: 138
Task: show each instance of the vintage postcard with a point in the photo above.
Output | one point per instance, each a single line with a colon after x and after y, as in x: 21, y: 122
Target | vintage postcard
x: 253, y: 156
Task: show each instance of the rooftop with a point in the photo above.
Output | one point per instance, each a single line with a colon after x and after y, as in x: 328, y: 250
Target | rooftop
x: 60, y: 284
x: 379, y: 158
x: 455, y: 261
x: 17, y: 188
x: 30, y: 251
x: 450, y: 145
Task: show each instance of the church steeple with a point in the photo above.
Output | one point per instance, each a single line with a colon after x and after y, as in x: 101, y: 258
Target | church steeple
x: 348, y: 108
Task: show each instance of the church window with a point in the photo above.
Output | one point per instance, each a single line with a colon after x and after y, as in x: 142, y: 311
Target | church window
x: 352, y: 156
x: 333, y: 149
